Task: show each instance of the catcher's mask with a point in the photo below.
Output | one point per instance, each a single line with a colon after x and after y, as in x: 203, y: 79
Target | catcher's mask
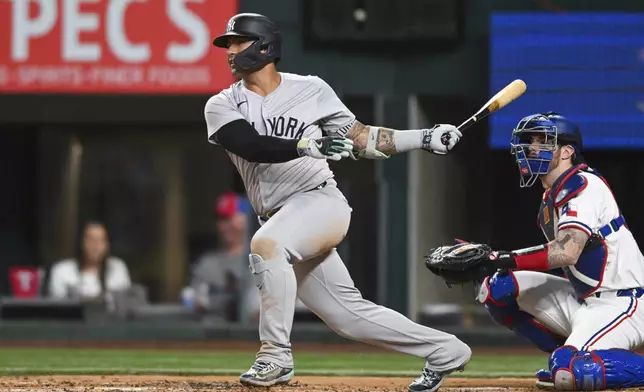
x: 535, y: 139
x: 533, y: 143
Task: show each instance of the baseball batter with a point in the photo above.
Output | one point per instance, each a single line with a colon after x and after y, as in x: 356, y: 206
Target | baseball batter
x: 280, y: 129
x: 590, y: 316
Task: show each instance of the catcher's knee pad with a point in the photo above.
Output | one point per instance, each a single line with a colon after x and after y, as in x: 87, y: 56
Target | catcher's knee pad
x: 501, y: 289
x: 258, y: 266
x: 596, y: 370
x: 499, y: 294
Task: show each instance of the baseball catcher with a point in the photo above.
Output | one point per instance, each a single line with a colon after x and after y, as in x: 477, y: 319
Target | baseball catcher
x: 588, y: 318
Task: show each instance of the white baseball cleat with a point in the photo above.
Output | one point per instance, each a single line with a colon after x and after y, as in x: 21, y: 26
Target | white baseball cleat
x: 544, y: 380
x: 266, y: 374
x: 430, y: 381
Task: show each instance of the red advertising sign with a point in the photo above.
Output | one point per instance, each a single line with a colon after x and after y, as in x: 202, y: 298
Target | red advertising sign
x: 113, y: 46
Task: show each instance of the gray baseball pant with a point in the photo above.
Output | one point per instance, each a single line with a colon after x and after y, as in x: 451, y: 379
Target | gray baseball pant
x: 293, y: 254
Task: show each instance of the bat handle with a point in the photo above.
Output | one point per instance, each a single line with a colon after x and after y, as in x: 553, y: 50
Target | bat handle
x: 467, y: 123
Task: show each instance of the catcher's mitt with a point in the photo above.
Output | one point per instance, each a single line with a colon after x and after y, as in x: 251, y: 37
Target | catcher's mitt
x: 461, y: 263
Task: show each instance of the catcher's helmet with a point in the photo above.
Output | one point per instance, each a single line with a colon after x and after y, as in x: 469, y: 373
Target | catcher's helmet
x: 567, y: 131
x: 556, y: 131
x: 263, y: 31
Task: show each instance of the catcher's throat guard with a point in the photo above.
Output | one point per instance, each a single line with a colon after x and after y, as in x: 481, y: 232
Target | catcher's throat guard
x: 461, y: 263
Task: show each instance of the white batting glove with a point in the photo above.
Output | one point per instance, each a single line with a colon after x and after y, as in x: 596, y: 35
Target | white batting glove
x: 334, y: 148
x: 441, y: 139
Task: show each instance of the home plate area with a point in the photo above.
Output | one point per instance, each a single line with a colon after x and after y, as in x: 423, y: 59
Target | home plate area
x: 140, y: 383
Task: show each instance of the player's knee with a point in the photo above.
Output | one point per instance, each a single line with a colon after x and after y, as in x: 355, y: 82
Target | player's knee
x: 261, y: 249
x: 497, y: 293
x: 461, y: 350
x: 500, y: 289
x: 259, y: 266
x: 264, y: 247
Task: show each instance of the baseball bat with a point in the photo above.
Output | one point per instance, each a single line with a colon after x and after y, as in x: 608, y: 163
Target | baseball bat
x: 500, y: 100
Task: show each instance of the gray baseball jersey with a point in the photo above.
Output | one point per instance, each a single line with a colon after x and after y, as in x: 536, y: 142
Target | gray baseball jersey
x: 301, y: 106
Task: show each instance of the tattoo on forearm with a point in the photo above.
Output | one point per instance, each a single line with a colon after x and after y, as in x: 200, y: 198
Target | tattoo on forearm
x: 580, y: 240
x: 386, y: 141
x: 565, y: 250
x: 557, y: 260
x: 359, y: 133
x: 562, y: 242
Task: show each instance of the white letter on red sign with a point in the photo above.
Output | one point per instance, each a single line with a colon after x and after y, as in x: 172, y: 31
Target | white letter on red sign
x: 73, y: 23
x: 193, y: 26
x: 24, y: 28
x: 117, y: 36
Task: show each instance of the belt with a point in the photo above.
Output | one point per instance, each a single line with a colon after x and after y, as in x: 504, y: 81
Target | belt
x: 269, y: 214
x: 322, y: 185
x: 637, y: 293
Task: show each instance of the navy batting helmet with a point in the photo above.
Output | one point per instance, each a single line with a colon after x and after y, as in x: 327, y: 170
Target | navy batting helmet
x: 258, y: 28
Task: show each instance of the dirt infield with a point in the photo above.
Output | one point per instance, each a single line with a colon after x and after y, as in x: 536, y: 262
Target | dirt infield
x: 213, y: 383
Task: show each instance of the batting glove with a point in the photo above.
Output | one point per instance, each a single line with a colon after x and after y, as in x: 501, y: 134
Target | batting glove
x: 441, y: 139
x: 329, y: 147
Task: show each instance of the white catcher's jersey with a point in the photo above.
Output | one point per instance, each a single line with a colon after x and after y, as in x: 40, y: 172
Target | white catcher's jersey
x: 301, y: 106
x: 617, y: 265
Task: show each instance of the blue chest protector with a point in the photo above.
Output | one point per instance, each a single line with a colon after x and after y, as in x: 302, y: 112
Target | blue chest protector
x: 585, y: 276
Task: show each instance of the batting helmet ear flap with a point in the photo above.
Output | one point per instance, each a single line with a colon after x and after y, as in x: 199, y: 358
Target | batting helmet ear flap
x: 253, y: 58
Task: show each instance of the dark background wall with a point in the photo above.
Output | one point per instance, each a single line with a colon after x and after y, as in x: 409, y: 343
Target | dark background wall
x: 455, y: 74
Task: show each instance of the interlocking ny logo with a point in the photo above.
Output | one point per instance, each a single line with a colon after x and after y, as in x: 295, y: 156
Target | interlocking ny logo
x: 231, y: 25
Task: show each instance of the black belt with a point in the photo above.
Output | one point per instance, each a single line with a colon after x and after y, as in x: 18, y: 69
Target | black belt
x: 637, y: 293
x: 322, y: 185
x: 269, y: 214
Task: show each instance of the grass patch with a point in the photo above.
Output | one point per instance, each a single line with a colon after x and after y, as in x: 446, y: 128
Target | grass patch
x: 82, y: 361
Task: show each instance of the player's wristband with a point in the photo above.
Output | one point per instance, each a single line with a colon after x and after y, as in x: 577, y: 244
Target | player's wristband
x: 412, y: 139
x: 532, y: 259
x: 303, y: 147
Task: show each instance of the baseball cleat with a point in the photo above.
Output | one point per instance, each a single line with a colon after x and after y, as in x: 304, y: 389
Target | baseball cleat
x: 544, y: 379
x: 429, y: 380
x: 266, y: 374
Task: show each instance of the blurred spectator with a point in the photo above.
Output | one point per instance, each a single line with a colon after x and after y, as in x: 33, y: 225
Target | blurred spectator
x: 93, y: 273
x: 221, y: 284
